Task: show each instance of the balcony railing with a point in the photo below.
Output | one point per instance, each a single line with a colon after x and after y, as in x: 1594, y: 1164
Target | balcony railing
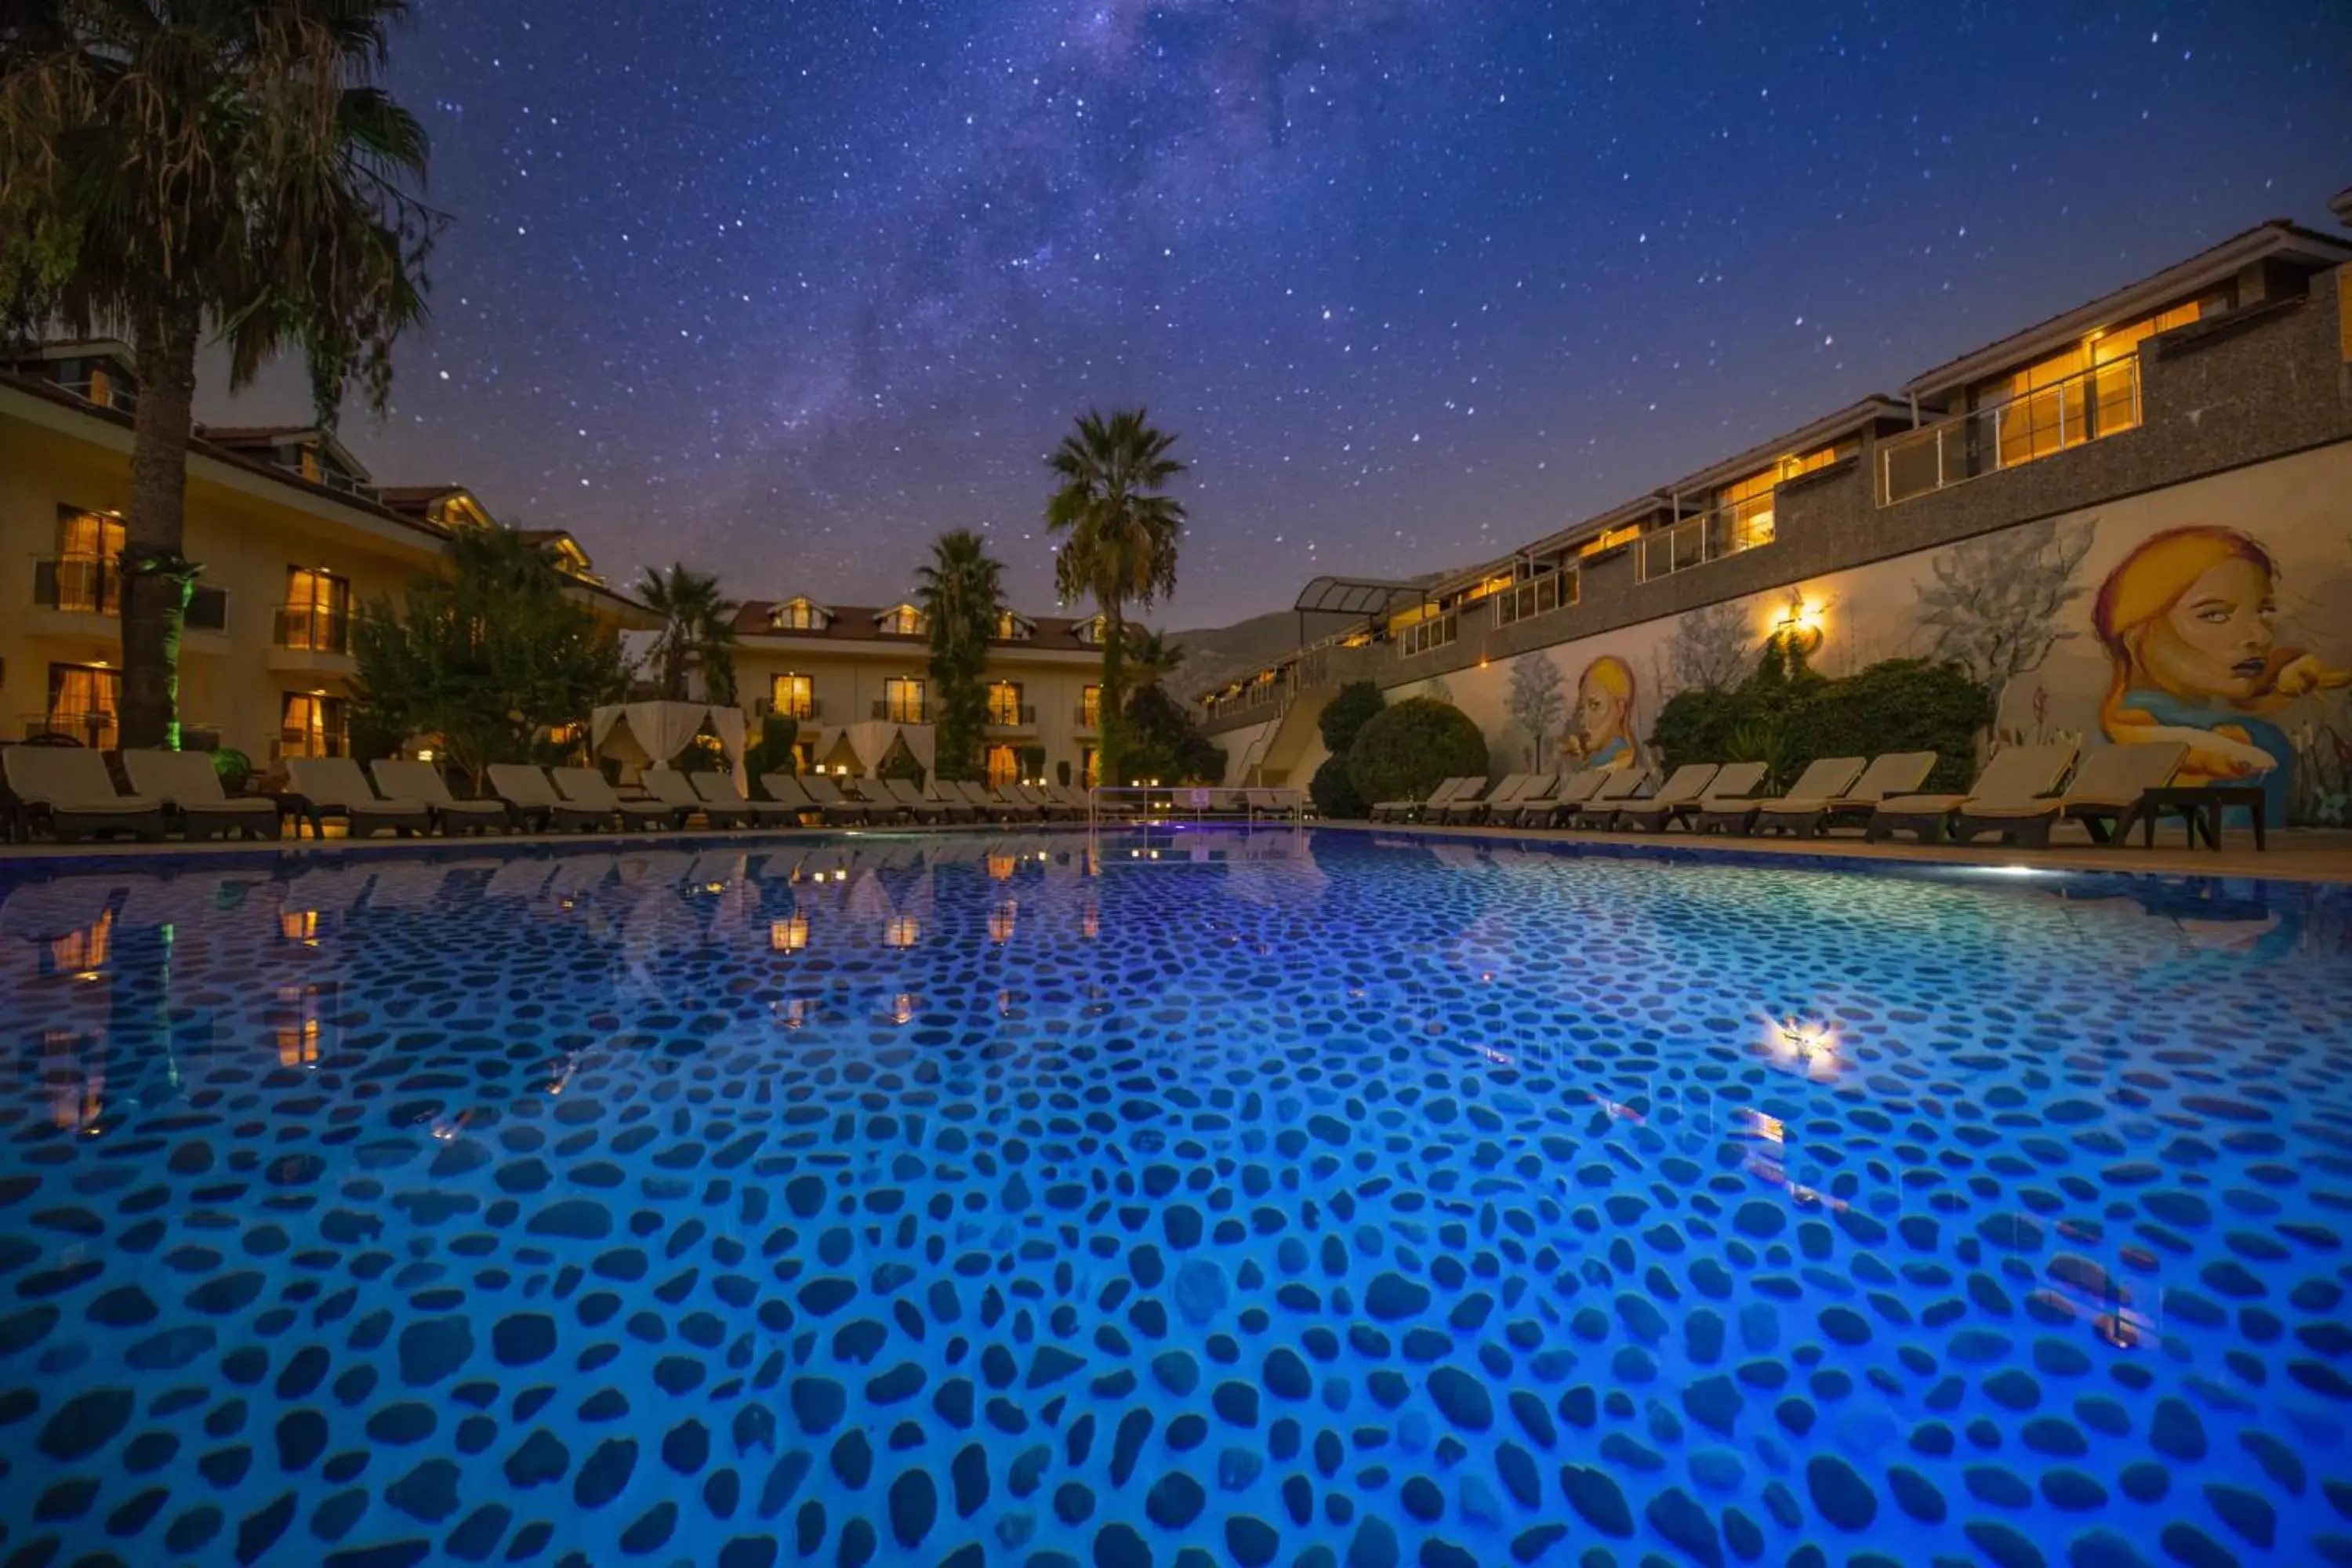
x: 83, y: 587
x: 2097, y: 401
x: 92, y: 729
x: 805, y: 709
x: 336, y: 481
x: 314, y: 629
x: 106, y: 394
x: 1089, y: 715
x: 1538, y: 597
x: 1012, y: 716
x: 899, y: 711
x: 1727, y: 530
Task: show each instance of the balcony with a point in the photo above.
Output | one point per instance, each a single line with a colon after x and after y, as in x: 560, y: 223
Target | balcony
x: 2102, y: 401
x: 1089, y: 716
x: 103, y: 391
x: 901, y: 711
x: 83, y: 597
x: 1012, y: 716
x: 805, y: 711
x: 1538, y: 597
x: 308, y: 640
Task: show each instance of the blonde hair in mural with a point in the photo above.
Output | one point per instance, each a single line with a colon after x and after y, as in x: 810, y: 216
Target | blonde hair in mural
x: 1601, y: 732
x: 2187, y: 622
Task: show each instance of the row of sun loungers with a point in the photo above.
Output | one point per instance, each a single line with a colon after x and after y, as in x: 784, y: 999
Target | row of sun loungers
x: 69, y: 790
x: 2023, y: 793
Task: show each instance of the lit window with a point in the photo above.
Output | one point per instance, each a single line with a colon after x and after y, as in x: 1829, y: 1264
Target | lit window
x: 1011, y: 627
x: 792, y: 697
x: 1003, y: 766
x: 797, y: 615
x: 903, y: 621
x: 1004, y: 702
x: 1090, y: 707
x: 312, y: 724
x: 902, y: 700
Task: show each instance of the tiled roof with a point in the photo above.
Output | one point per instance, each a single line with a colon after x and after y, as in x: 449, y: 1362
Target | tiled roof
x: 855, y: 623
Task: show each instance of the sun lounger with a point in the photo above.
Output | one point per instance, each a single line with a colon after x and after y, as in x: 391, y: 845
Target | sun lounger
x: 1539, y: 793
x: 588, y: 788
x: 1473, y: 804
x: 1571, y: 791
x: 948, y: 802
x: 1436, y: 800
x: 530, y: 796
x: 1682, y: 794
x: 1824, y: 778
x: 2105, y: 792
x: 422, y: 781
x: 189, y: 788
x: 677, y: 791
x: 69, y: 787
x: 913, y: 804
x: 1617, y: 787
x: 835, y: 805
x: 334, y: 787
x: 1049, y: 807
x: 1809, y: 815
x: 987, y: 806
x: 1682, y: 788
x: 785, y: 789
x: 718, y: 794
x: 2017, y: 776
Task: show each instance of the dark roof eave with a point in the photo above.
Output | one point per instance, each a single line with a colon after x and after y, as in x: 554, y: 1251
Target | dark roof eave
x: 2277, y: 237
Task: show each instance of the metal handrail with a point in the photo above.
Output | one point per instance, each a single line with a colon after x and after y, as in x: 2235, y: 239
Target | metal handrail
x: 311, y: 629
x: 899, y: 712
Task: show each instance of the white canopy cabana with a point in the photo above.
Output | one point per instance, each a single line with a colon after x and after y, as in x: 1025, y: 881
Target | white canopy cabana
x: 650, y: 733
x: 871, y: 742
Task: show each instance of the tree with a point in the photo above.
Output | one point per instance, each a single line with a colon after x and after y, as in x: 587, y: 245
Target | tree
x: 698, y: 633
x: 1163, y: 742
x: 1351, y: 708
x: 1119, y: 536
x: 1994, y: 605
x: 486, y: 659
x: 961, y: 590
x: 168, y: 167
x: 1150, y: 657
x: 1535, y: 703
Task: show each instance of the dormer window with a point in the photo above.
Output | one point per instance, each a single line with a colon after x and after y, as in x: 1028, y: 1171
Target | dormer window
x: 901, y: 621
x: 800, y: 614
x: 1090, y: 632
x: 1011, y: 627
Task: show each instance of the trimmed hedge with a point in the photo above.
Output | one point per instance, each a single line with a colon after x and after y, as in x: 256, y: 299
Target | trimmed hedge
x: 1334, y: 793
x: 1410, y: 748
x: 1351, y: 708
x: 1792, y: 718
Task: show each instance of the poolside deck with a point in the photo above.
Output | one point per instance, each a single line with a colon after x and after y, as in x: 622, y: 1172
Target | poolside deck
x: 2300, y: 854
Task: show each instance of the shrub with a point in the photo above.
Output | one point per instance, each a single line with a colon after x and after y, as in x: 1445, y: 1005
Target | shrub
x: 900, y: 764
x: 1408, y: 749
x: 1697, y: 725
x: 1355, y: 705
x: 1900, y: 705
x: 1334, y: 793
x: 772, y: 752
x: 233, y: 768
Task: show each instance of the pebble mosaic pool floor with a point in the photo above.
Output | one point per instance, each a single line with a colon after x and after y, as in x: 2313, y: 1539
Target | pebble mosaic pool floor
x: 1278, y: 1198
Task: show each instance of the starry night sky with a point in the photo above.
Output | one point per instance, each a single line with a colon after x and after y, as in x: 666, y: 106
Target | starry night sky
x: 785, y: 288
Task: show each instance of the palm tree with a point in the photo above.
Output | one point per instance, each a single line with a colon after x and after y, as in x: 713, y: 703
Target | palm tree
x: 1121, y: 533
x: 170, y: 166
x: 698, y: 633
x: 1150, y: 657
x: 961, y: 590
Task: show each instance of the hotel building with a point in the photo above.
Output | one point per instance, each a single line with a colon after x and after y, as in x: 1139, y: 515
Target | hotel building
x: 2033, y: 508
x: 293, y: 535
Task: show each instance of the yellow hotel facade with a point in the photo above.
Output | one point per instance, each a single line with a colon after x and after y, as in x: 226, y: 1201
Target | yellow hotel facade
x: 293, y: 535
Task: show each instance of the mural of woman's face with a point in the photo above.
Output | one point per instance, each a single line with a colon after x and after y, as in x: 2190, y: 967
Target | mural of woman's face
x: 1600, y: 713
x: 2216, y: 639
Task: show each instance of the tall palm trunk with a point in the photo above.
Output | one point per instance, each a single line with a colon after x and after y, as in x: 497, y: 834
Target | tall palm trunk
x: 1113, y: 715
x: 156, y: 573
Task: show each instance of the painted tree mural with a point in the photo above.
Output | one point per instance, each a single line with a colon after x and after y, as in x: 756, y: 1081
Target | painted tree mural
x: 1710, y: 649
x: 1537, y: 704
x: 1995, y: 603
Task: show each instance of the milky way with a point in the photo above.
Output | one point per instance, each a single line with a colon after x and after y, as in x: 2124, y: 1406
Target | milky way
x: 787, y: 289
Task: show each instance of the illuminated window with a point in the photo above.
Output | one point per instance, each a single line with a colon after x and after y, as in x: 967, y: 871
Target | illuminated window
x: 2090, y: 390
x: 1003, y: 766
x: 317, y: 615
x: 88, y: 568
x: 798, y: 615
x: 1425, y: 635
x: 902, y: 700
x: 903, y: 621
x: 1539, y: 596
x: 83, y: 701
x: 312, y: 724
x: 1090, y: 707
x: 1011, y: 627
x: 1004, y: 702
x: 792, y: 697
x: 1090, y: 630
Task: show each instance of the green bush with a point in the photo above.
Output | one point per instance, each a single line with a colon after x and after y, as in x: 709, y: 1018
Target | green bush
x: 1409, y: 749
x: 1901, y: 705
x: 772, y: 752
x: 1334, y: 792
x: 1355, y: 705
x: 1788, y: 716
x: 233, y: 768
x: 900, y: 764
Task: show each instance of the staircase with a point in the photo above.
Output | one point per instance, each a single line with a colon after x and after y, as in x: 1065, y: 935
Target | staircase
x: 1274, y: 754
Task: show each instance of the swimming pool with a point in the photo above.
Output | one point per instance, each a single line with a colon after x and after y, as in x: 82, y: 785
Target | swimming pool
x: 1268, y: 1198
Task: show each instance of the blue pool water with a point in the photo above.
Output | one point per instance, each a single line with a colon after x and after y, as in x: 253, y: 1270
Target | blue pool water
x: 1291, y: 1199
